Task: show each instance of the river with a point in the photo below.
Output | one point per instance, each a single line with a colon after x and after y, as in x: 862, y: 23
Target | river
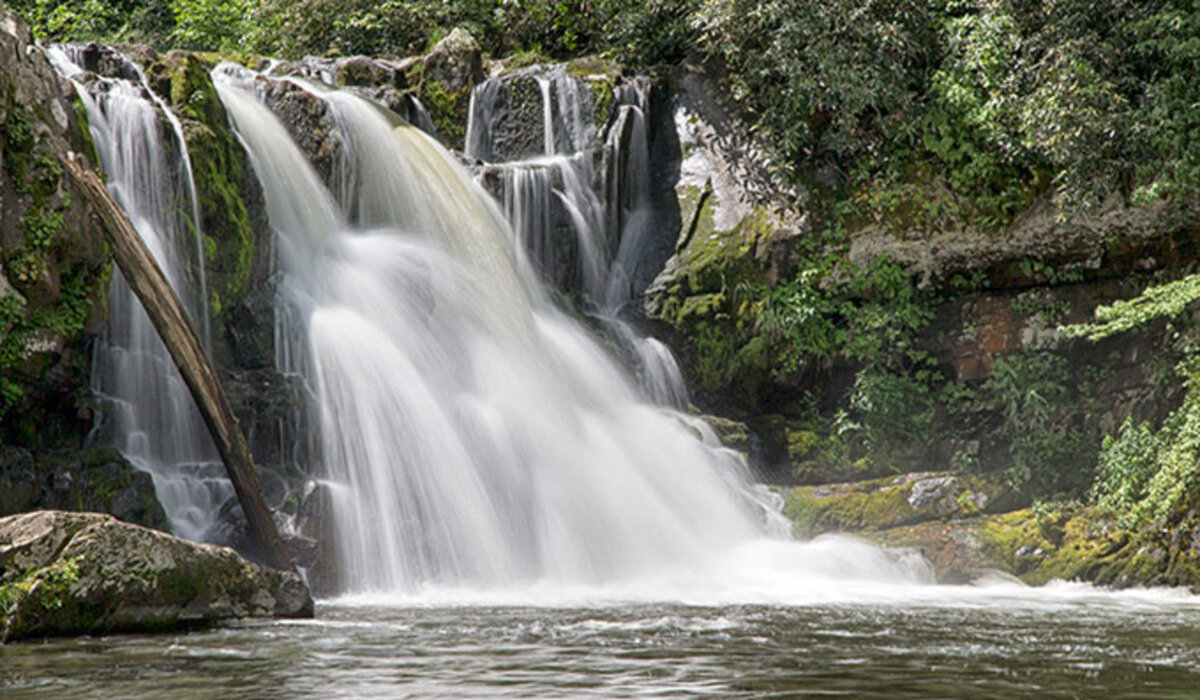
x: 1063, y: 641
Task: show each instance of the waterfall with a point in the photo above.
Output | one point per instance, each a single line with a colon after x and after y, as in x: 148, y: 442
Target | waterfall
x: 147, y: 411
x: 473, y: 434
x: 580, y: 235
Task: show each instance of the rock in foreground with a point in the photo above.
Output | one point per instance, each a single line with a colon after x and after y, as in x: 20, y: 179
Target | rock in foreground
x: 87, y: 573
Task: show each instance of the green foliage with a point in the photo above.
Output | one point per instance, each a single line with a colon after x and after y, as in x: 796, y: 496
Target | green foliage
x: 208, y: 24
x: 826, y: 80
x: 1164, y: 301
x: 1127, y: 463
x: 895, y: 410
x: 148, y: 21
x: 1040, y: 416
x: 1000, y: 99
x: 869, y: 318
x: 1145, y: 475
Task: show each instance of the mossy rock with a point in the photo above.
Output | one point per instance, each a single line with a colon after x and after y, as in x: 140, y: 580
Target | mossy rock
x: 233, y: 255
x: 54, y: 267
x: 890, y: 502
x: 732, y: 434
x: 86, y: 573
x: 92, y: 480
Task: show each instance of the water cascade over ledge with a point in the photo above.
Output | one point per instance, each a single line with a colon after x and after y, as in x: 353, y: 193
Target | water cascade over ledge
x: 473, y: 434
x: 147, y: 411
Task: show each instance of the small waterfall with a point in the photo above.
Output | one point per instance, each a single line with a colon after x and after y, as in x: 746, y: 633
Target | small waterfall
x: 147, y: 410
x: 576, y: 235
x: 474, y: 435
x: 627, y: 187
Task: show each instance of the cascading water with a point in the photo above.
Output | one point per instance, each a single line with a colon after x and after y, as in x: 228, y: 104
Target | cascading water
x: 147, y: 411
x: 474, y: 435
x: 561, y: 222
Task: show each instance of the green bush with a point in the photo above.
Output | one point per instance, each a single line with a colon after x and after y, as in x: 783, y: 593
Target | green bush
x: 1042, y: 421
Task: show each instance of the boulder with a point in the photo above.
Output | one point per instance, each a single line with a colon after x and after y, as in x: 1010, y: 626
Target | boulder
x: 456, y: 61
x: 88, y: 573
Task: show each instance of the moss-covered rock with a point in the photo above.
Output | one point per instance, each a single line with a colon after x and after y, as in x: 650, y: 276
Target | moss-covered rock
x: 1047, y: 543
x: 54, y: 269
x: 882, y: 504
x: 233, y: 253
x: 448, y: 73
x: 85, y: 573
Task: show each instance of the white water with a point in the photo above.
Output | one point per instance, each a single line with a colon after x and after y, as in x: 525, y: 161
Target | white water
x: 147, y: 411
x: 477, y: 437
x: 563, y: 218
x: 485, y: 450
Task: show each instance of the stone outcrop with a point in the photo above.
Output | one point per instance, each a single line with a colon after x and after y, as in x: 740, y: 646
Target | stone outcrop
x: 86, y: 573
x: 54, y: 271
x: 433, y: 92
x: 95, y: 480
x: 972, y: 527
x: 908, y: 499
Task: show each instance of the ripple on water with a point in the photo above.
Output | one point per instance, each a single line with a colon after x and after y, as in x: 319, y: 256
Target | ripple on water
x: 1074, y: 642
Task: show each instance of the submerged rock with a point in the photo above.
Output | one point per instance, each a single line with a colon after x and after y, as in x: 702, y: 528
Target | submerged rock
x: 87, y: 573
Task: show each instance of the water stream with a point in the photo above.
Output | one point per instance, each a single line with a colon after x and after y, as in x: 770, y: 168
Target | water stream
x: 147, y: 411
x: 473, y: 434
x: 1066, y: 642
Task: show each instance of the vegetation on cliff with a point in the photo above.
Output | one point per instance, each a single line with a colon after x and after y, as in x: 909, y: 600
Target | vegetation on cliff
x: 893, y: 126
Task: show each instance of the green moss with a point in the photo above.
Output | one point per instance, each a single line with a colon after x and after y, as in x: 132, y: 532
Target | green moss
x: 39, y: 592
x: 1059, y: 543
x: 601, y: 76
x: 447, y: 110
x: 605, y: 91
x: 85, y: 132
x: 803, y: 509
x: 219, y: 168
x: 31, y: 264
x: 875, y: 505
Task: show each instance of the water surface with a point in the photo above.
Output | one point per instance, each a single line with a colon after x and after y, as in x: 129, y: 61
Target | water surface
x: 1069, y: 642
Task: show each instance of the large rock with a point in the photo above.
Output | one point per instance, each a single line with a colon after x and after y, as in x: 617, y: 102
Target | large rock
x: 86, y: 573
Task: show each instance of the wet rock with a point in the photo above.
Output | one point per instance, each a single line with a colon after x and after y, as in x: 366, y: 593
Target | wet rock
x: 315, y: 522
x: 732, y: 434
x: 890, y: 502
x: 936, y: 493
x: 95, y: 480
x: 86, y: 573
x: 53, y: 266
x: 509, y: 113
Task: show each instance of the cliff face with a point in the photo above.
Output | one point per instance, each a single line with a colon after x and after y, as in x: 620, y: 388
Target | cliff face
x: 883, y: 347
x: 54, y: 271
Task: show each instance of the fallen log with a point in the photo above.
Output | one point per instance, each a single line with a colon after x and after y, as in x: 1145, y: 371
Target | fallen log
x: 166, y: 313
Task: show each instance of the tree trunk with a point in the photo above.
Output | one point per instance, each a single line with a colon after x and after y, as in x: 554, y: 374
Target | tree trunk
x: 166, y: 313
